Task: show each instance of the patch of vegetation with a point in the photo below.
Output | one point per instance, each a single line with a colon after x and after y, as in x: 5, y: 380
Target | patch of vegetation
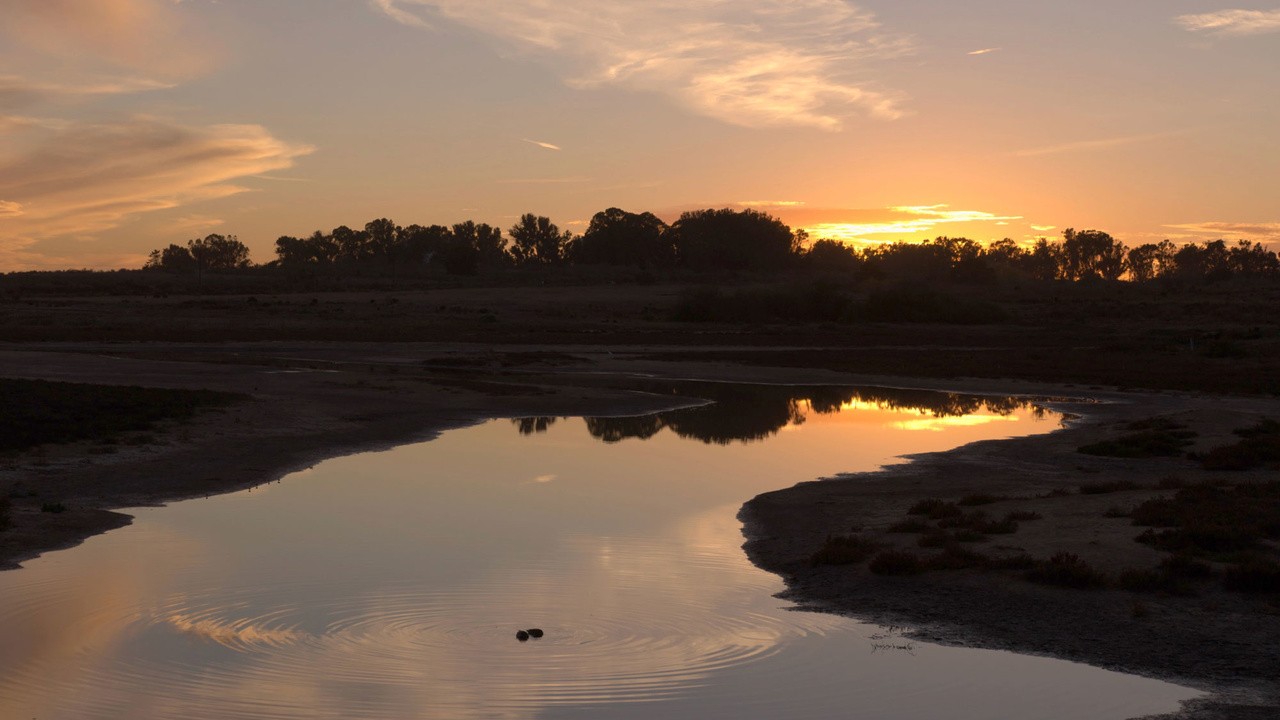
x: 1185, y: 566
x: 6, y: 505
x: 1155, y: 437
x: 1116, y: 511
x: 1259, y: 447
x: 1068, y: 570
x: 1024, y: 516
x: 54, y: 507
x: 909, y: 303
x: 1256, y: 575
x: 894, y: 562
x: 1106, y: 488
x: 943, y: 539
x: 36, y: 412
x: 935, y: 509
x: 957, y: 557
x: 910, y: 525
x: 843, y: 550
x: 979, y: 521
x: 1211, y: 519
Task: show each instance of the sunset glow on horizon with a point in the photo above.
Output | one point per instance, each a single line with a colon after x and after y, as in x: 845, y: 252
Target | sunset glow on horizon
x: 131, y: 124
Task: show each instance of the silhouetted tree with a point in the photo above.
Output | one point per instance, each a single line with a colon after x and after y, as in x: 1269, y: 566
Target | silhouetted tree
x: 1091, y: 254
x: 1152, y: 260
x: 1252, y: 260
x: 218, y: 252
x: 174, y: 258
x: 1210, y: 261
x: 536, y: 240
x: 490, y: 246
x: 617, y: 237
x: 733, y: 240
x: 832, y: 256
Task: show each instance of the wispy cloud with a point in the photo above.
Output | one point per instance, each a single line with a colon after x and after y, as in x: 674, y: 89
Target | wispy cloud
x: 541, y: 144
x: 1232, y: 22
x: 754, y: 63
x: 83, y: 179
x: 17, y: 91
x: 1101, y: 144
x: 1234, y: 230
x: 985, y: 51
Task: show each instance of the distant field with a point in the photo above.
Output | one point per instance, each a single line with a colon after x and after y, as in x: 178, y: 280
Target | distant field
x: 36, y: 412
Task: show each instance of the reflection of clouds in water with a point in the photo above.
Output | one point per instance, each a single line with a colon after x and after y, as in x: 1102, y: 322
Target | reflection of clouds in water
x: 939, y: 424
x: 642, y: 619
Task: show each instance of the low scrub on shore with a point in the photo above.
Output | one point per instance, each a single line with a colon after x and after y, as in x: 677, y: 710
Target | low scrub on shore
x: 1212, y: 520
x: 844, y: 550
x: 36, y: 412
x: 1259, y: 447
x: 1067, y: 570
x: 1155, y: 437
x: 6, y: 506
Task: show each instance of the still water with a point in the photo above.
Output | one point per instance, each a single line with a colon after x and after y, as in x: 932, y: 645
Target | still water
x: 391, y: 584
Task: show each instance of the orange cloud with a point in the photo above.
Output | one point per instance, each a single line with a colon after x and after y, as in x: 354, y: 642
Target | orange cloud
x: 1242, y: 230
x: 86, y: 178
x: 754, y: 63
x: 1232, y: 22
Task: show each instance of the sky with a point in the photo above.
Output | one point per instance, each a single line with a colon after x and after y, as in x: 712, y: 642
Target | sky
x: 127, y: 125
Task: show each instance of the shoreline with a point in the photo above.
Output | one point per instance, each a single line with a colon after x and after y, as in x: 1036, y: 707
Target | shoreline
x: 1217, y: 642
x: 302, y: 414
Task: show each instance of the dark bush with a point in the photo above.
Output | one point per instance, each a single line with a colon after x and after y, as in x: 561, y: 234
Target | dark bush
x: 1024, y: 516
x: 956, y: 557
x: 893, y: 562
x: 1066, y: 570
x: 910, y: 525
x: 935, y: 509
x: 1254, y: 576
x: 844, y: 550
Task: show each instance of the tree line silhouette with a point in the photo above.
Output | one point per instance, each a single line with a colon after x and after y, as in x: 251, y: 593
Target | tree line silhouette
x: 749, y: 413
x: 715, y: 241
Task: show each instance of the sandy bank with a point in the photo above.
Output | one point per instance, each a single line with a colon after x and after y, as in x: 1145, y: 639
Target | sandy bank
x: 1218, y: 641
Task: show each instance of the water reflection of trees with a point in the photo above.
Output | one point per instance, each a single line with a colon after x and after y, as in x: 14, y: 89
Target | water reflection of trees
x: 747, y: 413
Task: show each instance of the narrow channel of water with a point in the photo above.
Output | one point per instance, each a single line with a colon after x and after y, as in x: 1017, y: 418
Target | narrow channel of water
x: 391, y: 585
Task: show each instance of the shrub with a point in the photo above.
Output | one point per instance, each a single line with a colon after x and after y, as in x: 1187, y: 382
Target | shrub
x: 910, y: 525
x: 956, y: 557
x: 54, y: 507
x: 1023, y: 516
x: 843, y: 550
x: 893, y: 562
x: 5, y: 506
x: 1066, y: 570
x: 1253, y: 576
x: 935, y: 509
x: 1144, y: 444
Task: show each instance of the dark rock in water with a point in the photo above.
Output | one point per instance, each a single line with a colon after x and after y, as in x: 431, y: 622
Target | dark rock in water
x: 522, y: 635
x: 535, y: 632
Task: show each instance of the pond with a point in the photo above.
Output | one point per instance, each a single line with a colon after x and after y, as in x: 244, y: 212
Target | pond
x: 392, y: 584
